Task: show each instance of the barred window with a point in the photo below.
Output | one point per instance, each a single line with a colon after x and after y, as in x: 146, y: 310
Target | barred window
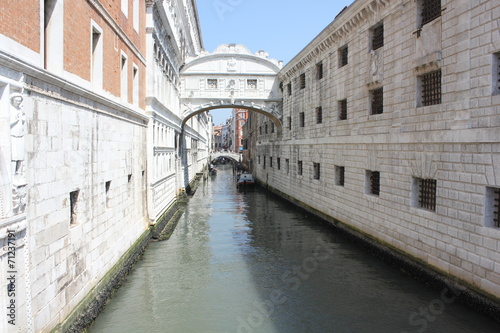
x: 302, y: 119
x: 496, y: 73
x: 272, y: 127
x: 212, y: 83
x: 251, y: 84
x: 319, y: 70
x: 378, y: 37
x: 431, y: 10
x: 265, y: 128
x: 343, y: 109
x: 73, y: 199
x: 317, y: 170
x: 302, y: 81
x: 493, y: 207
x: 373, y: 182
x: 289, y: 88
x: 339, y: 175
x: 319, y: 115
x: 278, y: 160
x: 426, y: 193
x: 270, y: 161
x: 431, y: 88
x: 343, y: 56
x: 289, y: 123
x: 377, y: 101
x: 287, y: 165
x: 264, y: 165
x: 299, y: 168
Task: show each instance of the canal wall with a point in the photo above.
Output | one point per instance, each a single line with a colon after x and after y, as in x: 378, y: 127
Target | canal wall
x: 95, y: 301
x: 390, y: 127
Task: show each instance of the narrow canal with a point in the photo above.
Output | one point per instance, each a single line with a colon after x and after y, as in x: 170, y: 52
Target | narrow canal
x: 250, y: 262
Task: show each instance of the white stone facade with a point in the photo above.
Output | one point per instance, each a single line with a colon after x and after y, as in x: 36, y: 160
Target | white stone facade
x: 454, y: 142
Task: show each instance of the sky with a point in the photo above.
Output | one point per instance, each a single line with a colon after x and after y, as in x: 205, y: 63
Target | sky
x: 282, y: 28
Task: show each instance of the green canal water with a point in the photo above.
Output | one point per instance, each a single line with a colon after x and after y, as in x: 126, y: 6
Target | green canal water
x: 250, y: 262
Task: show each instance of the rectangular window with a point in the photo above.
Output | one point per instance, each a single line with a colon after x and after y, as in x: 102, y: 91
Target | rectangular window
x: 289, y: 123
x: 289, y: 88
x: 378, y: 36
x: 302, y: 119
x: 319, y: 115
x: 426, y: 193
x: 317, y: 170
x: 319, y: 70
x: 124, y: 77
x: 430, y: 10
x: 264, y: 165
x: 302, y: 81
x: 373, y: 182
x: 496, y: 73
x: 251, y: 84
x: 97, y: 58
x: 136, y: 15
x: 343, y: 109
x: 272, y: 127
x: 279, y: 163
x: 124, y: 7
x: 287, y: 166
x: 212, y: 83
x: 492, y: 207
x: 339, y: 175
x: 259, y: 159
x: 73, y: 199
x: 135, y: 83
x: 107, y: 187
x: 343, y: 56
x: 377, y: 101
x: 270, y: 161
x: 299, y: 168
x: 430, y: 87
x: 265, y: 126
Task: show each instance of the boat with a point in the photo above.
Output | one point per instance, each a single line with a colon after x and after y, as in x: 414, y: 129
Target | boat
x: 245, y: 179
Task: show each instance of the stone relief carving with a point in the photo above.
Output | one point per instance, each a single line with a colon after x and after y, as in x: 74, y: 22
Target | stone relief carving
x: 17, y: 132
x: 231, y: 65
x: 275, y: 110
x: 375, y: 62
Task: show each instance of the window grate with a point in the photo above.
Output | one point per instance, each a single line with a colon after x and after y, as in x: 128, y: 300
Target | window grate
x: 378, y: 101
x: 299, y: 168
x: 496, y: 207
x: 431, y: 10
x: 302, y: 81
x: 252, y: 84
x: 340, y: 175
x: 378, y: 37
x: 319, y: 71
x: 289, y: 123
x: 431, y: 88
x: 317, y: 170
x: 375, y: 182
x: 212, y: 83
x: 319, y: 115
x: 344, y: 52
x: 343, y: 109
x: 279, y: 163
x: 427, y: 194
x: 302, y: 119
x: 289, y: 88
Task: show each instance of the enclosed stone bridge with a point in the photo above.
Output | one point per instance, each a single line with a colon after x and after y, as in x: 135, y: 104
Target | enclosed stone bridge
x: 232, y: 156
x: 231, y: 77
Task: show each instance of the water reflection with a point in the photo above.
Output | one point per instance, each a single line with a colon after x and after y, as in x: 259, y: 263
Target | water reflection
x: 251, y: 262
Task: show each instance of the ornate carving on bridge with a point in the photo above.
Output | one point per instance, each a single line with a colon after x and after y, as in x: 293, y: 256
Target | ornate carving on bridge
x: 232, y: 77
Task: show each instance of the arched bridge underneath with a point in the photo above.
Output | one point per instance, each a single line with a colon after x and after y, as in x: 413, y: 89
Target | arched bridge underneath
x: 231, y: 77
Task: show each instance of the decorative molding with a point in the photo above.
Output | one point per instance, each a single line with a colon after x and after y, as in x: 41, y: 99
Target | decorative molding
x: 338, y: 30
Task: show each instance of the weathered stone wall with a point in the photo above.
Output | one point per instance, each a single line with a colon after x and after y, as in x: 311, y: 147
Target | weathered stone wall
x: 455, y: 142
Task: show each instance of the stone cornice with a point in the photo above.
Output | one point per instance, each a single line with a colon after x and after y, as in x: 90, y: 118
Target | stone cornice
x: 336, y: 32
x: 116, y: 28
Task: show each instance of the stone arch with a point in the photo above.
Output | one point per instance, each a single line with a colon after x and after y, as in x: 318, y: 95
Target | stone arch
x: 274, y: 116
